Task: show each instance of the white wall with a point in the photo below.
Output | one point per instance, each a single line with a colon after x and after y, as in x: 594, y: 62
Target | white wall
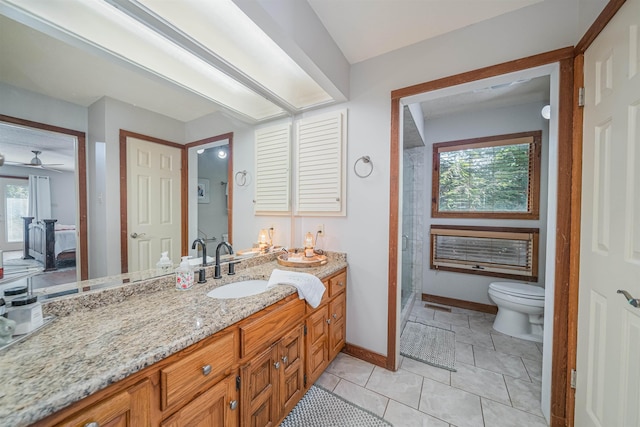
x: 496, y: 121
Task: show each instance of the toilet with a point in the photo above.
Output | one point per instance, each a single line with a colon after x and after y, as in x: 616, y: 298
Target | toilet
x: 520, y: 309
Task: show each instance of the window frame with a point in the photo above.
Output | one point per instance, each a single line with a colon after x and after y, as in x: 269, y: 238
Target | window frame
x: 509, y: 233
x: 532, y: 137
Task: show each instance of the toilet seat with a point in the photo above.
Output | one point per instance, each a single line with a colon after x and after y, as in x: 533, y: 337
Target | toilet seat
x: 518, y: 290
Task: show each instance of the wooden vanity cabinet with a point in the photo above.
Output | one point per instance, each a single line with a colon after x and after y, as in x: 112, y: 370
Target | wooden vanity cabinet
x: 326, y: 327
x: 128, y: 408
x: 218, y: 406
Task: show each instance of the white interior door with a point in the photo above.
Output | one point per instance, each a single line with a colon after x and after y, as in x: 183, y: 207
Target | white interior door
x: 153, y: 203
x: 14, y: 204
x: 608, y: 357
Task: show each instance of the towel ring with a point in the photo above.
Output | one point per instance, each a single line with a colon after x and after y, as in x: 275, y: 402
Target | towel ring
x: 365, y: 160
x: 241, y: 180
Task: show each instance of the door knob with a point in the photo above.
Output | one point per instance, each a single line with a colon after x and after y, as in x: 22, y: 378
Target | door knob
x: 633, y: 301
x: 136, y: 235
x: 276, y: 365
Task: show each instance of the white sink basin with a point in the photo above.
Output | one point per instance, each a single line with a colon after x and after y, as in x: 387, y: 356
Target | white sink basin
x: 198, y: 261
x: 239, y: 289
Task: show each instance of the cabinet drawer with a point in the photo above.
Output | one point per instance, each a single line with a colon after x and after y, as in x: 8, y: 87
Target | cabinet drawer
x: 263, y: 331
x: 338, y: 284
x: 185, y: 378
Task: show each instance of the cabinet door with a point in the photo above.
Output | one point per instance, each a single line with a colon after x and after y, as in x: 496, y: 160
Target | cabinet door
x: 337, y: 326
x: 259, y: 382
x: 215, y: 407
x: 317, y: 343
x: 291, y: 352
x: 129, y: 408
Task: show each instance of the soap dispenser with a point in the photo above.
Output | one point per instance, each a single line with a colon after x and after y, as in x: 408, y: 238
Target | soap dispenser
x: 164, y: 265
x: 184, y: 275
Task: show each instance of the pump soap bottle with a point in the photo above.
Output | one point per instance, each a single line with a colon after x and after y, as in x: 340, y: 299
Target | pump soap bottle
x: 184, y: 275
x: 164, y: 265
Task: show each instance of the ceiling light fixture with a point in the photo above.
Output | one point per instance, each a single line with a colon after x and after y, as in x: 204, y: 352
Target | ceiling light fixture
x: 222, y: 153
x: 546, y: 112
x: 200, y: 151
x: 185, y: 59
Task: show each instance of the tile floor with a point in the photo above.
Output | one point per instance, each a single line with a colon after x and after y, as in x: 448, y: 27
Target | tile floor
x: 497, y: 383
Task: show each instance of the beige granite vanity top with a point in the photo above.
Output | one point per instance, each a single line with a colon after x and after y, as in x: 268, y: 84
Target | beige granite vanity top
x: 103, y: 336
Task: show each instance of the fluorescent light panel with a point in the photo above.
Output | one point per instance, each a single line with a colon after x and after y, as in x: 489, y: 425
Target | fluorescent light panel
x: 222, y: 28
x: 105, y: 27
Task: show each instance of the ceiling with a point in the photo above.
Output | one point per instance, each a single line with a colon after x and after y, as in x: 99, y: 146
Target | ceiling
x: 362, y: 29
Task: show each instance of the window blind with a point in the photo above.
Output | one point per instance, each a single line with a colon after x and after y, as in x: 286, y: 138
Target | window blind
x: 487, y: 176
x: 489, y: 251
x: 273, y: 166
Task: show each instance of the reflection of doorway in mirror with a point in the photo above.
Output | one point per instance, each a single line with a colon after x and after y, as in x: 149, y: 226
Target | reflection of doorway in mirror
x: 203, y: 190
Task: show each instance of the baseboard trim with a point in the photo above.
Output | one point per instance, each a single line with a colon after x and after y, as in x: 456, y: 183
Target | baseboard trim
x: 366, y: 355
x: 469, y: 305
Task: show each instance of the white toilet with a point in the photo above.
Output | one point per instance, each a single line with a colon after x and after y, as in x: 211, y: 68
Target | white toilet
x: 520, y: 309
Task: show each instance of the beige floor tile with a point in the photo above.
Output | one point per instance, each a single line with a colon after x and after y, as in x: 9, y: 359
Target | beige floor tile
x: 449, y: 404
x: 328, y: 381
x: 435, y: 323
x: 403, y: 416
x: 426, y: 370
x: 525, y: 395
x: 464, y: 353
x: 499, y: 415
x: 470, y: 313
x: 355, y: 370
x: 534, y: 368
x: 457, y: 319
x: 517, y: 347
x: 481, y: 382
x: 421, y: 312
x: 402, y: 386
x: 468, y: 336
x: 501, y: 363
x: 481, y: 324
x: 360, y: 396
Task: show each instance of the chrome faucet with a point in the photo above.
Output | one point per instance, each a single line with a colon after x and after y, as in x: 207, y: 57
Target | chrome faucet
x: 216, y: 270
x: 201, y: 273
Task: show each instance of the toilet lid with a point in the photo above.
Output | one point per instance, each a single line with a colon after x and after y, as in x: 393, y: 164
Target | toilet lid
x: 519, y: 289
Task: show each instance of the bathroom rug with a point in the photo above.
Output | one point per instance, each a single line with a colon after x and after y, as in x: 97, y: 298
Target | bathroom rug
x: 321, y: 408
x: 429, y: 344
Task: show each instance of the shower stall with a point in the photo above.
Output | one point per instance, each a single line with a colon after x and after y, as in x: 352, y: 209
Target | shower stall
x: 412, y: 236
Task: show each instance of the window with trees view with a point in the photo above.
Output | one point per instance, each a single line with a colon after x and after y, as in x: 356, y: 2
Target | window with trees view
x: 490, y: 177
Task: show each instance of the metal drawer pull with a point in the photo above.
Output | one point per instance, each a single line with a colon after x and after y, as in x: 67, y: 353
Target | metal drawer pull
x: 631, y: 300
x: 277, y: 365
x: 328, y: 321
x: 335, y: 316
x: 340, y: 283
x: 233, y: 404
x: 285, y: 359
x: 206, y: 370
x: 92, y: 424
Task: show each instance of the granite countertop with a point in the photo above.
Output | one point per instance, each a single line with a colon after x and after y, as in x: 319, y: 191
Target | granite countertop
x: 101, y: 337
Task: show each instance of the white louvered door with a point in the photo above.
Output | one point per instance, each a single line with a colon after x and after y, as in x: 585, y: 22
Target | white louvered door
x: 608, y: 354
x: 320, y: 160
x: 273, y: 169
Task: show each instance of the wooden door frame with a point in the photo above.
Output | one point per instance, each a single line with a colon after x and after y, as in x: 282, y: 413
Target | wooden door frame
x: 564, y: 58
x: 124, y: 234
x: 81, y: 159
x: 230, y: 177
x: 571, y: 62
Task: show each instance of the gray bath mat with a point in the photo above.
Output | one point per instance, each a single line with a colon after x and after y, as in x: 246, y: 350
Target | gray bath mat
x: 428, y: 344
x: 321, y: 408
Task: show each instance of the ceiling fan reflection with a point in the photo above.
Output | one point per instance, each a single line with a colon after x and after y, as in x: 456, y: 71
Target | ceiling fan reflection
x: 37, y: 163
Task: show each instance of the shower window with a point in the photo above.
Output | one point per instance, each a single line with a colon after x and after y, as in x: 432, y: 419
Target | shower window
x: 489, y: 251
x: 489, y: 177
